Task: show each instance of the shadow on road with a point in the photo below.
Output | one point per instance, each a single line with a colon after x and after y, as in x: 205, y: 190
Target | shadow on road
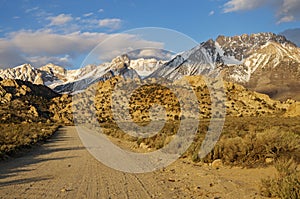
x: 10, y: 169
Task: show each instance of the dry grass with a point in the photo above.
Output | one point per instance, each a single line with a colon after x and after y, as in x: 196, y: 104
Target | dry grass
x: 286, y: 184
x: 253, y: 148
x: 15, y: 137
x: 154, y: 142
x: 244, y: 142
x: 247, y: 140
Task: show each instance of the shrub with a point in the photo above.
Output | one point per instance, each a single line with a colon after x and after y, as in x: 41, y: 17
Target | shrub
x: 254, y: 148
x: 14, y: 137
x: 286, y: 184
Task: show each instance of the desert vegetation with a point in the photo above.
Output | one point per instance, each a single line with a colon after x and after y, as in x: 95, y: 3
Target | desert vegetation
x: 286, y: 184
x: 256, y: 133
x: 16, y: 137
x: 256, y: 130
x: 25, y: 117
x: 249, y: 142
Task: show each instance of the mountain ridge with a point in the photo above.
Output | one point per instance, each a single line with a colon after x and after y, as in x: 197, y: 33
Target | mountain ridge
x: 55, y: 76
x: 245, y: 59
x: 261, y: 62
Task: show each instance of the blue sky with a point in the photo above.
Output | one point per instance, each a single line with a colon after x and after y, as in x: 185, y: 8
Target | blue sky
x: 64, y: 32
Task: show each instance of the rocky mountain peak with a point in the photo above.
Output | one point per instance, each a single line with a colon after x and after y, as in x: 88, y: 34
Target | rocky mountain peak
x: 145, y: 67
x: 257, y: 38
x: 25, y: 67
x: 23, y: 72
x: 263, y: 62
x: 53, y: 69
x: 242, y: 46
x: 121, y: 61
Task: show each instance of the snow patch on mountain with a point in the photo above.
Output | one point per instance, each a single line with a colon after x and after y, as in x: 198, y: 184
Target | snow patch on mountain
x: 227, y: 59
x: 54, y: 76
x: 144, y: 67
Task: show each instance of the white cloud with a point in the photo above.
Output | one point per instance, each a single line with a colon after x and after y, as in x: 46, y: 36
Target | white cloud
x: 149, y: 53
x: 112, y: 23
x: 43, y: 46
x: 88, y: 14
x: 60, y: 19
x: 211, y: 13
x: 118, y: 44
x: 31, y: 9
x: 238, y: 5
x: 159, y: 54
x: 287, y: 18
x: 101, y: 10
x: 286, y: 10
x: 47, y: 42
x: 43, y: 60
x: 67, y: 23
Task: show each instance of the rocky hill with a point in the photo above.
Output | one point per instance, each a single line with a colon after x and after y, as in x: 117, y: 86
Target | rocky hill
x: 96, y: 101
x: 24, y: 102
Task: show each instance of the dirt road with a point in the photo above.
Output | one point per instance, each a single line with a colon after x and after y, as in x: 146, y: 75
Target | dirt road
x: 63, y: 168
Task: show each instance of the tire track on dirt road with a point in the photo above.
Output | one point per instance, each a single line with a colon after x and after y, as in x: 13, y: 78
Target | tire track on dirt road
x: 63, y: 168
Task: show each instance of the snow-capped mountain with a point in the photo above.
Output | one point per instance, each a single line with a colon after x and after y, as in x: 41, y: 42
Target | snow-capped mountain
x: 264, y: 62
x: 246, y: 53
x: 26, y: 72
x: 240, y: 47
x: 61, y: 80
x: 197, y: 61
x: 144, y: 67
x: 119, y: 66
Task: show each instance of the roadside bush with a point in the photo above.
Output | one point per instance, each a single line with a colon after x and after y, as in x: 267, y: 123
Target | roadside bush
x: 254, y: 148
x: 286, y: 184
x: 15, y: 137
